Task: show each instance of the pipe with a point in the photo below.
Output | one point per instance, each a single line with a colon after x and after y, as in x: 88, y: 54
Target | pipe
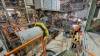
x: 29, y: 34
x: 23, y: 45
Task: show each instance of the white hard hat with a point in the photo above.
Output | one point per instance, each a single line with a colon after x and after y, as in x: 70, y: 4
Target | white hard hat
x: 76, y: 27
x: 79, y: 20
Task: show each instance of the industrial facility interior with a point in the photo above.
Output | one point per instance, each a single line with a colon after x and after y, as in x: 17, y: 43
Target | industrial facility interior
x: 49, y: 27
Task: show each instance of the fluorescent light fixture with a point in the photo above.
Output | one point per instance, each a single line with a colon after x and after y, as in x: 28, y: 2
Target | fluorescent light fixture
x: 10, y: 9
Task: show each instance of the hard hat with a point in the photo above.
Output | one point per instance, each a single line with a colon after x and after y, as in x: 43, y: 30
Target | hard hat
x: 79, y: 20
x: 76, y: 27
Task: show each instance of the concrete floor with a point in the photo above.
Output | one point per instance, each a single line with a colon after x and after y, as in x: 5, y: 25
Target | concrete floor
x: 94, y: 43
x: 60, y: 43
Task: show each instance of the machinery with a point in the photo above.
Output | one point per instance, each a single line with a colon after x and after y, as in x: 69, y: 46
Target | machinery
x: 38, y: 31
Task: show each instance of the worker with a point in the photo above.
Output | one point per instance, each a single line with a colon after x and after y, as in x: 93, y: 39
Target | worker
x: 66, y: 27
x: 15, y: 26
x: 15, y: 15
x: 4, y: 17
x: 33, y: 18
x: 76, y: 27
x: 44, y: 19
x: 49, y: 19
x: 13, y: 2
x: 76, y: 40
x: 18, y: 13
x: 72, y: 20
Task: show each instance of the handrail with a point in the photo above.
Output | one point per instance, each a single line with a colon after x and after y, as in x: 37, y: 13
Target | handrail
x: 27, y: 44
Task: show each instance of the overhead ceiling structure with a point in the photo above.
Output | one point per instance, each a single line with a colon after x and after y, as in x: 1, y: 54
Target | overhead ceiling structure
x: 75, y: 5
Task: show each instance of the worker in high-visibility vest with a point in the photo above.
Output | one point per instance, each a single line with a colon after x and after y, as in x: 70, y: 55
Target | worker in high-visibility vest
x: 76, y: 38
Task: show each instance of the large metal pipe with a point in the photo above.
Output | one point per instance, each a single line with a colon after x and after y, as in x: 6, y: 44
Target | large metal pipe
x: 29, y: 33
x: 23, y: 46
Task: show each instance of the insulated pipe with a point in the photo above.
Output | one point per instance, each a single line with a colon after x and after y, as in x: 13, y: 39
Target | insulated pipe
x: 29, y: 33
x: 23, y: 46
x: 29, y: 36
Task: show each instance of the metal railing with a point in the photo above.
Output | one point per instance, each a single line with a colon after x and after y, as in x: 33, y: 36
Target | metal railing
x: 24, y: 47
